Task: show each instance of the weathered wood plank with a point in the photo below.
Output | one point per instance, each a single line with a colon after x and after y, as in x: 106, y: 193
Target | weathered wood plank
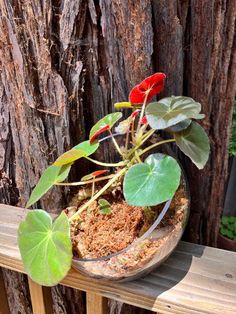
x: 95, y: 304
x: 195, y: 279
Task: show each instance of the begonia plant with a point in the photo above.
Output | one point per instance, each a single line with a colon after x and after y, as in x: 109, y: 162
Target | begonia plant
x: 148, y: 178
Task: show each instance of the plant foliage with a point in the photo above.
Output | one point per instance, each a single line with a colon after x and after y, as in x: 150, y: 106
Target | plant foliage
x: 45, y: 247
x: 232, y: 145
x: 146, y: 184
x: 146, y: 179
x: 228, y: 227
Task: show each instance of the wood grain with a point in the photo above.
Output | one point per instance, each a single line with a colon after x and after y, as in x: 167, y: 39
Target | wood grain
x: 37, y: 300
x: 96, y: 304
x: 40, y: 298
x: 194, y: 279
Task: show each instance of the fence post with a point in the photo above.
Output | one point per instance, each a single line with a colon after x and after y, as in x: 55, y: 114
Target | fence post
x: 40, y: 298
x: 96, y: 304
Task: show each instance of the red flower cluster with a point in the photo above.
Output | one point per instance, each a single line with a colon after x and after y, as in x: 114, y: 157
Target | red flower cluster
x: 148, y: 88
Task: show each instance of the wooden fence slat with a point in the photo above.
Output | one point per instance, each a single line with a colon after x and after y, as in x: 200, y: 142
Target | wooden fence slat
x: 47, y: 296
x: 96, y: 304
x: 193, y: 280
x: 40, y: 298
x: 4, y: 307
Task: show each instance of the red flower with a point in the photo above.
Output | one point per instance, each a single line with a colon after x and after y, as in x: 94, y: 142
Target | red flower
x: 134, y: 114
x: 144, y: 120
x: 151, y: 86
x: 101, y: 130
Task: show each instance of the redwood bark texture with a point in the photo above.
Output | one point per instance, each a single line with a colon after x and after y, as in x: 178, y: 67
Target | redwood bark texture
x: 63, y: 63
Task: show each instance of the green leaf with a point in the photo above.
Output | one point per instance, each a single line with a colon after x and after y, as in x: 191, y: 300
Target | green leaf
x: 229, y: 234
x: 83, y: 149
x: 105, y: 206
x: 63, y: 173
x: 232, y: 219
x: 152, y: 182
x: 53, y: 174
x: 172, y: 110
x: 225, y: 220
x: 232, y: 143
x: 109, y: 119
x: 223, y: 231
x: 179, y: 126
x: 231, y: 227
x: 194, y: 143
x: 45, y: 247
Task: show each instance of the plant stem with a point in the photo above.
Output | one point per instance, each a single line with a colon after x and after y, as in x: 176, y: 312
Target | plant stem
x: 147, y: 135
x: 103, y: 189
x: 115, y: 143
x: 109, y: 136
x: 93, y: 187
x: 127, y: 141
x: 132, y: 130
x: 156, y: 144
x: 137, y: 157
x: 142, y: 111
x: 85, y: 182
x: 118, y: 164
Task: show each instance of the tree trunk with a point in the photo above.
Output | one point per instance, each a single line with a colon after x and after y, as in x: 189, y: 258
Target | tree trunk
x: 63, y: 65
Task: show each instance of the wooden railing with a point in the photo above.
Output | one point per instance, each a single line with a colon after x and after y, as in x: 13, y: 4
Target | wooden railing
x: 194, y: 279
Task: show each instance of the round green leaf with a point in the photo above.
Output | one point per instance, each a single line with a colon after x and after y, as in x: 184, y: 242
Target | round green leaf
x: 179, y: 126
x: 194, y: 143
x: 83, y: 149
x: 45, y: 247
x: 109, y: 119
x: 53, y: 174
x: 172, y: 110
x: 152, y: 182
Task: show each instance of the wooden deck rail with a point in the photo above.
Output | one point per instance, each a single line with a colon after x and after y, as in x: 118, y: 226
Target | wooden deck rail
x: 194, y: 279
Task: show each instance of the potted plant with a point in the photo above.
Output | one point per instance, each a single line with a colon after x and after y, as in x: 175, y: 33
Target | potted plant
x: 227, y: 235
x: 125, y: 221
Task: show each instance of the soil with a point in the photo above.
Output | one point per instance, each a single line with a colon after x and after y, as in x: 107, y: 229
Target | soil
x: 102, y: 234
x: 118, y: 233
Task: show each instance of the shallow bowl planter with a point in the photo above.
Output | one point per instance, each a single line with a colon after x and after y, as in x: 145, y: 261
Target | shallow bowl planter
x: 130, y: 263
